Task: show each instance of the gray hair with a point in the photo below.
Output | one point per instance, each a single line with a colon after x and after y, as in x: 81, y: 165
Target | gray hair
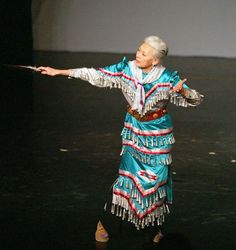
x: 161, y: 49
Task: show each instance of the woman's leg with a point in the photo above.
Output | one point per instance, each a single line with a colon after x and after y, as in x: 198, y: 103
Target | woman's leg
x: 111, y: 222
x: 108, y: 223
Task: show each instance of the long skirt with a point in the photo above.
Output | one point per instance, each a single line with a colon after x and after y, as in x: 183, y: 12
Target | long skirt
x: 143, y: 189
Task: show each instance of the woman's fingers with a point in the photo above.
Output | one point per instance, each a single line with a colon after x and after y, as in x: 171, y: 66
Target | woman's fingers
x: 47, y: 71
x: 183, y: 81
x: 41, y: 68
x: 179, y: 86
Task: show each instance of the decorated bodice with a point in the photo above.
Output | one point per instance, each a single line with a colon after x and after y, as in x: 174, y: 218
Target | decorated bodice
x: 158, y: 93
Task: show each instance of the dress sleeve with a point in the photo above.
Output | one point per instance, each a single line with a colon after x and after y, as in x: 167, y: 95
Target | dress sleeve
x: 187, y: 96
x: 109, y: 76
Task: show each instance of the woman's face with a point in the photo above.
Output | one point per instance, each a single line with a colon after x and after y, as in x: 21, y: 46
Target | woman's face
x: 145, y: 57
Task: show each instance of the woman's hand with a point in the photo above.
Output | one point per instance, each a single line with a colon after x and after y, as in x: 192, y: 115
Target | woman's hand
x: 179, y: 86
x: 48, y: 71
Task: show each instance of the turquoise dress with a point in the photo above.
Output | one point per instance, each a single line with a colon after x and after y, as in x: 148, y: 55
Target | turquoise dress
x: 143, y: 189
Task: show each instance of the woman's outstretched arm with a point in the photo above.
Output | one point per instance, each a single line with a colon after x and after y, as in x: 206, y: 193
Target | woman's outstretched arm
x: 53, y: 72
x: 111, y: 78
x: 91, y: 75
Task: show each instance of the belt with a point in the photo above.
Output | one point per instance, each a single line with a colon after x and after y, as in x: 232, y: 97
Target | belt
x: 152, y: 115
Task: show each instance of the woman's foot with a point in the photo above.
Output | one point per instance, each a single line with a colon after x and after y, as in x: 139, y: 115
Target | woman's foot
x: 158, y: 237
x: 101, y: 234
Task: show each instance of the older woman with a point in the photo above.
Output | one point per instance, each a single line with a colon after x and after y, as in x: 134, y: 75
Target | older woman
x: 143, y: 189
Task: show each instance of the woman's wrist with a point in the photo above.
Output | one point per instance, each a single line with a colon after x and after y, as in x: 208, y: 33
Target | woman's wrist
x: 63, y: 72
x: 183, y: 92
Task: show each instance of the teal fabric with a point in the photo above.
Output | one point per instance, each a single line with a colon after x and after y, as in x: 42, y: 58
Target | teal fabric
x: 145, y: 179
x: 156, y: 163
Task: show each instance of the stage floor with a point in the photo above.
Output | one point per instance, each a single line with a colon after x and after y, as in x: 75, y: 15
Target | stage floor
x: 58, y: 163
